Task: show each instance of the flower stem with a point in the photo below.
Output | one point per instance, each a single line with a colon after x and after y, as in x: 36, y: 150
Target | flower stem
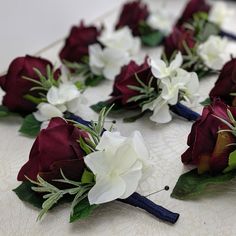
x: 185, y: 112
x: 228, y: 35
x: 144, y: 203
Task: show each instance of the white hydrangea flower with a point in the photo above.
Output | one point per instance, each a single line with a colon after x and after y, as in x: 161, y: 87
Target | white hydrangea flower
x: 173, y: 82
x: 123, y: 40
x: 220, y: 13
x: 47, y: 111
x: 161, y: 22
x: 118, y: 165
x: 214, y: 52
x: 161, y: 70
x: 66, y: 97
x: 108, y: 61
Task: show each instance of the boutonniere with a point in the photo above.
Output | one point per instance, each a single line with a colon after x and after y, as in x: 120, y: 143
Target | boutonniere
x: 38, y: 92
x: 96, y: 55
x: 151, y: 27
x: 211, y: 149
x: 155, y: 86
x: 81, y: 163
x: 208, y: 19
x: 199, y: 38
x: 225, y: 86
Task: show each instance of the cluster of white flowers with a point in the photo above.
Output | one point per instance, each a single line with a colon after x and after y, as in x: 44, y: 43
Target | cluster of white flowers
x: 120, y: 48
x: 215, y: 52
x: 160, y: 21
x: 173, y: 82
x: 119, y: 164
x: 65, y: 97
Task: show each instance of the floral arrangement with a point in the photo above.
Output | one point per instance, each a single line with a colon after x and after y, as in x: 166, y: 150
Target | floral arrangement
x: 38, y: 92
x: 82, y: 163
x: 155, y: 86
x: 151, y: 27
x: 198, y: 36
x: 96, y: 55
x: 215, y: 159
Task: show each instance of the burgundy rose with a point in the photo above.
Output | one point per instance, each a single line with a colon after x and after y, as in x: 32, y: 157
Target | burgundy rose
x: 208, y: 149
x: 226, y: 83
x: 77, y: 43
x: 16, y: 87
x: 175, y: 41
x: 55, y: 148
x: 192, y: 7
x: 131, y: 15
x: 121, y: 92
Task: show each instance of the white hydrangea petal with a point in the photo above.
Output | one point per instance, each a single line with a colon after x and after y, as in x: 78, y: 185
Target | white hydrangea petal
x: 121, y: 39
x: 177, y: 62
x: 97, y: 163
x: 158, y: 68
x: 114, y: 60
x: 53, y: 96
x: 96, y: 62
x: 125, y: 156
x: 161, y: 113
x: 214, y: 52
x: 131, y: 179
x: 68, y: 92
x: 47, y: 111
x: 139, y: 145
x: 159, y: 21
x: 110, y: 141
x: 106, y: 189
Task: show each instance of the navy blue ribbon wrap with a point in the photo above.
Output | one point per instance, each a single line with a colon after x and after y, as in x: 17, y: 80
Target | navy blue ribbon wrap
x: 136, y: 199
x: 185, y: 112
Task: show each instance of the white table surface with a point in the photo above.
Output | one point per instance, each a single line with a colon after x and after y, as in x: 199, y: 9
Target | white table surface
x: 205, y: 216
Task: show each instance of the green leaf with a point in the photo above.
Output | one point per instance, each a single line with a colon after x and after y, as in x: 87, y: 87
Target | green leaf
x: 206, y: 102
x: 153, y: 38
x: 26, y: 194
x: 30, y: 126
x: 208, y: 30
x: 231, y: 163
x: 191, y: 184
x: 94, y: 80
x: 4, y: 111
x: 87, y: 177
x: 82, y: 210
x: 107, y: 104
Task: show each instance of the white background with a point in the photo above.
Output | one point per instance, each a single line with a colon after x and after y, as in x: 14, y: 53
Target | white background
x: 27, y: 26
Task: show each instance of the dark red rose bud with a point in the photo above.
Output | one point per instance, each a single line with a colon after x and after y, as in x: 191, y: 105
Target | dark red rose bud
x: 175, y: 41
x: 77, y: 43
x: 16, y: 87
x: 208, y: 149
x: 131, y: 15
x: 192, y: 7
x: 121, y: 92
x: 55, y: 148
x: 226, y: 83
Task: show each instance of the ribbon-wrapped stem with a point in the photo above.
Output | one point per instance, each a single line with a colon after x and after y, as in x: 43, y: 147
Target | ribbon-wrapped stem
x: 184, y: 112
x: 228, y: 35
x: 144, y: 203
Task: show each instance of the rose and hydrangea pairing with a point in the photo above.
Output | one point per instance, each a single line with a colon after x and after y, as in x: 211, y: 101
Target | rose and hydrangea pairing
x: 38, y: 92
x: 82, y: 163
x: 151, y: 27
x: 154, y: 86
x: 198, y: 36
